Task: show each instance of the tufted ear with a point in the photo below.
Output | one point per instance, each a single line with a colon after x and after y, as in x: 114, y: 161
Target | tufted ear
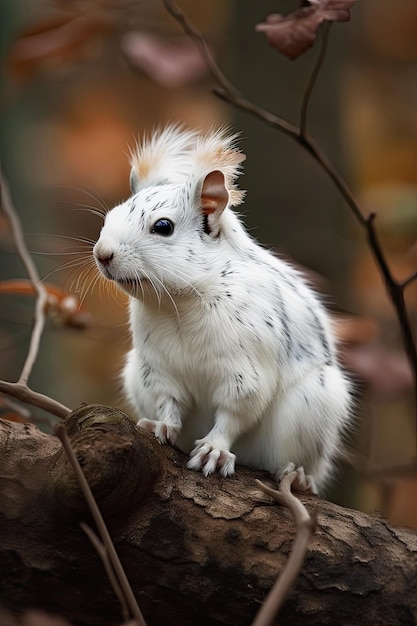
x: 214, y: 199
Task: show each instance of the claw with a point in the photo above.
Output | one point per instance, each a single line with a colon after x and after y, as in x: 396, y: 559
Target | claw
x: 304, y: 482
x: 165, y: 433
x: 208, y: 459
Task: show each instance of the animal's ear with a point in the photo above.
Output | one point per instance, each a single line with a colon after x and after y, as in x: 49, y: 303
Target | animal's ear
x: 214, y: 199
x: 134, y: 181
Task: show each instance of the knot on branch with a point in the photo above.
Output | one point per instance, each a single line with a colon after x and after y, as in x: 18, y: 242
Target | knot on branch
x: 119, y: 461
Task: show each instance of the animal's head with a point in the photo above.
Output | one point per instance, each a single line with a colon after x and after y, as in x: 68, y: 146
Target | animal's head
x: 159, y: 239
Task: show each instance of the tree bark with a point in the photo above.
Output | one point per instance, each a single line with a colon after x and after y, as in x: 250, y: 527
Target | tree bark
x: 196, y: 550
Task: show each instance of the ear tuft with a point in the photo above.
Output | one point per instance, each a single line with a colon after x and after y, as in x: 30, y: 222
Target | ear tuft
x: 134, y: 181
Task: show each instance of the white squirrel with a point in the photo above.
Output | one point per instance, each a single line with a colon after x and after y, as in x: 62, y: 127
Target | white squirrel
x: 233, y: 354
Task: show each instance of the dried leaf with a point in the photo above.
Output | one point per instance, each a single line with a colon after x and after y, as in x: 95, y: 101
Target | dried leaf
x: 294, y: 33
x: 169, y: 63
x: 63, y: 307
x: 53, y: 42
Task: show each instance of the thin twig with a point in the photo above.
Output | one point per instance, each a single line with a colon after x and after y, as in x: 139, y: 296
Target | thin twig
x: 61, y: 432
x: 102, y: 552
x: 305, y: 526
x: 409, y: 280
x: 20, y: 389
x: 197, y: 37
x: 313, y: 77
x: 266, y: 116
x: 396, y: 292
x: 305, y: 141
x: 23, y: 393
x: 42, y: 296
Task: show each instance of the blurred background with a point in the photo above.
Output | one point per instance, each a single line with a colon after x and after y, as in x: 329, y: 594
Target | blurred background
x: 81, y: 81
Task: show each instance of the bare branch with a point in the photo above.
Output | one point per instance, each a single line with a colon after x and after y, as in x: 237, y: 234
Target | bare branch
x: 23, y: 393
x: 174, y: 10
x: 20, y: 389
x: 305, y: 525
x: 42, y: 296
x: 409, y: 280
x: 266, y: 116
x: 396, y: 293
x: 101, y: 526
x: 313, y: 77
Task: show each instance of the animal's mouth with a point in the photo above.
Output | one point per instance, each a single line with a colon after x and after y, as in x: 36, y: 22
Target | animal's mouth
x: 132, y: 285
x: 124, y: 281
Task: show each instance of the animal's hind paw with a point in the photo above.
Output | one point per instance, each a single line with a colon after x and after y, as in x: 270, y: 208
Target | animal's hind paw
x: 304, y: 482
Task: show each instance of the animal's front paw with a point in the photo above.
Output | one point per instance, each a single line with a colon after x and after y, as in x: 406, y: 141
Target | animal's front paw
x: 304, y: 482
x: 208, y: 458
x: 165, y: 433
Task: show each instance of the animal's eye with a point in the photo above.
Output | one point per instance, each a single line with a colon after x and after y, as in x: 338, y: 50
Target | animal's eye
x: 163, y: 227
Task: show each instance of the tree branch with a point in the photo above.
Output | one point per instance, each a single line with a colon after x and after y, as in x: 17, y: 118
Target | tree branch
x: 313, y: 77
x: 42, y: 296
x: 409, y: 280
x: 22, y: 392
x: 20, y: 389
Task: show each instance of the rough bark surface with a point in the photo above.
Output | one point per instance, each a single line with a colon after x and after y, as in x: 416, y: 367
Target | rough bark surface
x: 196, y: 550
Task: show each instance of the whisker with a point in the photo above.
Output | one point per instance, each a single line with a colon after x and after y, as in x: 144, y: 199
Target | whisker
x: 91, y: 193
x: 138, y: 277
x: 87, y: 208
x: 180, y: 277
x: 83, y: 285
x: 56, y: 253
x: 90, y: 210
x: 169, y: 296
x: 84, y: 240
x: 73, y: 264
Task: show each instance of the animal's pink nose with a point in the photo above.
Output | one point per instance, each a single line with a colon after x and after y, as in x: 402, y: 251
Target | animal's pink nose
x: 105, y: 259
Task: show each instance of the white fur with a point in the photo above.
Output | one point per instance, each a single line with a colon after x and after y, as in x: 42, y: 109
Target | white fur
x: 232, y: 351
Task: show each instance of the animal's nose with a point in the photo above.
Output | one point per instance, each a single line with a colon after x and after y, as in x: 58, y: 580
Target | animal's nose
x: 105, y: 259
x: 104, y: 252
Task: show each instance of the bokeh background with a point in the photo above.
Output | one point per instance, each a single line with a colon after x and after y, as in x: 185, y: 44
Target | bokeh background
x: 82, y: 81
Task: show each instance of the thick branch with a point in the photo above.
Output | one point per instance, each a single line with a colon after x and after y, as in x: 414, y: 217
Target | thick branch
x: 196, y: 550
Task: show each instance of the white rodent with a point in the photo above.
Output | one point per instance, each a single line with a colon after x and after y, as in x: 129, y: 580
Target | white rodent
x: 233, y: 354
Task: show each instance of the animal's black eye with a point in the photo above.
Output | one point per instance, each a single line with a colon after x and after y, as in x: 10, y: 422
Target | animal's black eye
x: 163, y: 227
